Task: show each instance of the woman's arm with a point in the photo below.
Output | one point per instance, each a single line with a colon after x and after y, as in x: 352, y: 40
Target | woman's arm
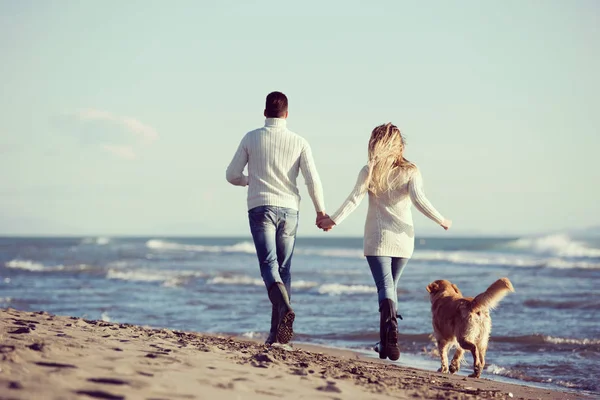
x: 354, y: 198
x: 417, y: 195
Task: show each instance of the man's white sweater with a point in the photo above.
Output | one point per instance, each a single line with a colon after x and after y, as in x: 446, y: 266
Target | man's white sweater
x: 275, y: 156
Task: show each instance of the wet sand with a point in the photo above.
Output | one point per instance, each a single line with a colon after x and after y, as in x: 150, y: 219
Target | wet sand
x: 43, y: 356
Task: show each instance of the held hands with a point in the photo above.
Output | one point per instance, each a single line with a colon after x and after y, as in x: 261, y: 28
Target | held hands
x: 324, y: 222
x: 446, y: 224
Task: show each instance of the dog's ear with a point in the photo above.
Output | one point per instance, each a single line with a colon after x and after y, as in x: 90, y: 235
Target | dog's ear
x: 432, y: 287
x: 456, y: 289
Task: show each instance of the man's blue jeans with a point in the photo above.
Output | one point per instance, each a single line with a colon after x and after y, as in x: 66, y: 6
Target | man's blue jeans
x: 386, y: 274
x: 274, y: 233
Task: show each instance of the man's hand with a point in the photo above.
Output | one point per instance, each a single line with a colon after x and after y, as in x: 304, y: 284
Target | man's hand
x: 321, y: 216
x: 446, y: 224
x: 326, y: 224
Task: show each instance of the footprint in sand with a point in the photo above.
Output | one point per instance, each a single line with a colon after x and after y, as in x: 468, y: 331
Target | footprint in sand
x: 100, y: 394
x: 20, y: 330
x: 24, y: 322
x: 37, y: 346
x: 55, y: 365
x: 109, y: 381
x: 5, y: 348
x: 331, y: 387
x: 15, y: 385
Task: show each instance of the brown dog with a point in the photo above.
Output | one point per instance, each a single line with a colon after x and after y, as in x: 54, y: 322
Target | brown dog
x: 464, y: 321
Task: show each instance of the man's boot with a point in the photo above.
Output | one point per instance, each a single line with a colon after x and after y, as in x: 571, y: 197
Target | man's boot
x: 388, y: 331
x: 280, y: 300
x: 273, y: 332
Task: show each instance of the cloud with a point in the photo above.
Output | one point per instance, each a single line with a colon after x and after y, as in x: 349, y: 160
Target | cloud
x: 133, y: 125
x: 118, y: 135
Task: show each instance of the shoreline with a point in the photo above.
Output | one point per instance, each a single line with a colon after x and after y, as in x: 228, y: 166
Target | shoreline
x: 44, y: 356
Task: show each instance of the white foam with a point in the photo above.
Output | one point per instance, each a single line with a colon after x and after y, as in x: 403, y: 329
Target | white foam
x: 32, y: 265
x: 558, y: 245
x: 559, y: 340
x: 303, y: 284
x: 334, y: 289
x: 253, y: 335
x: 105, y: 317
x: 169, y: 278
x: 235, y: 280
x: 176, y: 281
x: 5, y: 300
x: 242, y: 247
x: 511, y: 260
x: 496, y: 369
x: 137, y: 275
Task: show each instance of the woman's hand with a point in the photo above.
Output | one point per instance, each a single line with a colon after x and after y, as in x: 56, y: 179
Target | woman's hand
x: 446, y: 224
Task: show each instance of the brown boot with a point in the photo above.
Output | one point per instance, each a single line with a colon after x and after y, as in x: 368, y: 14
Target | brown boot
x: 273, y: 332
x: 280, y: 300
x: 388, y: 331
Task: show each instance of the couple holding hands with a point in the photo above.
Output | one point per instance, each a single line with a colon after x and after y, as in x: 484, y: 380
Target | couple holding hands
x: 275, y: 156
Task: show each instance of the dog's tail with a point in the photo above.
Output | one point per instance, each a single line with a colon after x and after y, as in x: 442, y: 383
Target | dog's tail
x: 492, y: 296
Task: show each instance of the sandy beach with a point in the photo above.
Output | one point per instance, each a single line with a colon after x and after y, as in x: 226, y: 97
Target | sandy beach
x: 44, y: 356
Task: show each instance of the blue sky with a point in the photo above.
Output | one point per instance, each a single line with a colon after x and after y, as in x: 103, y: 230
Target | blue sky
x: 119, y: 118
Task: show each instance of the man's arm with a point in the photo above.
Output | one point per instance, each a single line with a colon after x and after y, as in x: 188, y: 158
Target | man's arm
x: 235, y: 170
x: 311, y: 177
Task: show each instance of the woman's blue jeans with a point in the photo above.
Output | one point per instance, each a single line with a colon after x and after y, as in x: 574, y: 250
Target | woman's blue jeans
x: 386, y: 274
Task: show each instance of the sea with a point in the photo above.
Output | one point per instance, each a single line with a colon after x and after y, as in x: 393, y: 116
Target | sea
x: 545, y: 334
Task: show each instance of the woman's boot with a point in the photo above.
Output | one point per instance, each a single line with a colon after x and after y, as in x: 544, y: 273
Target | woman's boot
x: 388, y: 331
x: 280, y: 300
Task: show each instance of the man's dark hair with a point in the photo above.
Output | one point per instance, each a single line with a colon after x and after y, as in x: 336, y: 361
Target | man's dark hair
x: 276, y: 105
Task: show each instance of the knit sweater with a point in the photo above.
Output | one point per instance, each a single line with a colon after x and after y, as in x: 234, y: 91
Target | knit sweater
x: 389, y: 229
x: 275, y: 156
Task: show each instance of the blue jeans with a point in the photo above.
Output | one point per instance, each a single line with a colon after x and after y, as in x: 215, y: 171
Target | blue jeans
x: 274, y: 233
x: 386, y: 273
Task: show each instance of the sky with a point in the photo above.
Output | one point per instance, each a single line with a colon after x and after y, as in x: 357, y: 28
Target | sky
x: 120, y: 118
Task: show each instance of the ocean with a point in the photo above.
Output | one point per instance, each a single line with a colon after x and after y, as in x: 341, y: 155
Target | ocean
x: 546, y: 334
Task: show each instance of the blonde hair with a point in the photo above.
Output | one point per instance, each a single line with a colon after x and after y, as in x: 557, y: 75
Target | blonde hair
x: 386, y: 158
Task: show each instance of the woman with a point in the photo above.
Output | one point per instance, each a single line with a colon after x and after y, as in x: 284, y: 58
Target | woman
x: 393, y: 184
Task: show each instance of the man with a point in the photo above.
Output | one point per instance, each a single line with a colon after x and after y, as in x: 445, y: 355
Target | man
x: 274, y: 156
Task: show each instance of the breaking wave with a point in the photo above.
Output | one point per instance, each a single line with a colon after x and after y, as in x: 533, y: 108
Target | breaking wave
x: 334, y: 289
x: 560, y: 245
x: 29, y: 265
x: 501, y: 259
x: 242, y: 247
x: 557, y: 251
x: 237, y: 280
x: 515, y: 373
x: 545, y: 340
x: 168, y: 278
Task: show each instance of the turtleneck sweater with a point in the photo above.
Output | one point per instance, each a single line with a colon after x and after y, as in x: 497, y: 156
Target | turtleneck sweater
x: 275, y: 156
x: 389, y: 229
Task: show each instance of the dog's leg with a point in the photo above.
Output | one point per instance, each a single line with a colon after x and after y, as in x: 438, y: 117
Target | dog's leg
x: 443, y: 350
x: 475, y: 351
x: 483, y: 345
x: 456, y: 360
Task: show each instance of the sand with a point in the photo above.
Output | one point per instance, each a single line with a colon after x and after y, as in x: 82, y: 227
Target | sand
x: 43, y: 356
